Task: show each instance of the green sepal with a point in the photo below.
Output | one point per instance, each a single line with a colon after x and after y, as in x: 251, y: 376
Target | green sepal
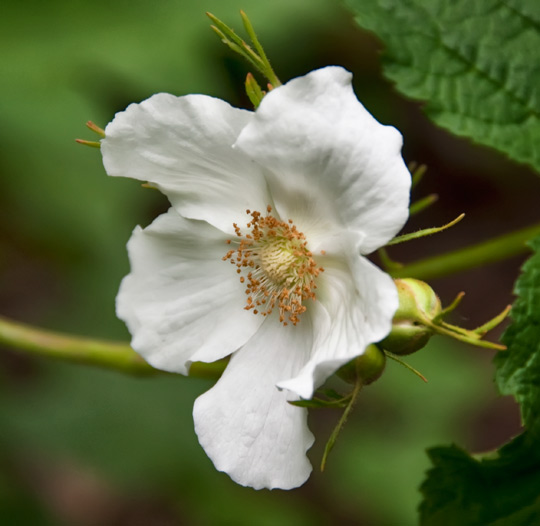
x: 254, y: 91
x: 257, y: 57
x: 319, y: 403
x: 425, y: 232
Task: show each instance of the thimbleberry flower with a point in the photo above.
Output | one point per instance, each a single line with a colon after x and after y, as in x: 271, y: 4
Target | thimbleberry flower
x: 261, y: 255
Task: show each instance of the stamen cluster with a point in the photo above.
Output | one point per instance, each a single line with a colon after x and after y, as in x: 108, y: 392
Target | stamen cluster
x: 277, y: 266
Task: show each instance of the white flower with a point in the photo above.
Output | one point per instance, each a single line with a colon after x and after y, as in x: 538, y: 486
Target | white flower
x: 293, y: 195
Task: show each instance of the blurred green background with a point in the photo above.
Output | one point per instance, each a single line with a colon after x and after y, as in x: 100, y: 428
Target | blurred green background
x: 88, y: 447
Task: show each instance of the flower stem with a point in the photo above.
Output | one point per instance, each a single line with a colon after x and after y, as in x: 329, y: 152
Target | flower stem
x: 498, y: 249
x: 101, y: 353
x: 335, y: 433
x: 397, y: 359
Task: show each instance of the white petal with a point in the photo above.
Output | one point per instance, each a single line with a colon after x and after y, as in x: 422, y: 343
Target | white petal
x: 354, y: 308
x: 183, y: 145
x: 331, y: 164
x: 181, y: 302
x: 246, y: 425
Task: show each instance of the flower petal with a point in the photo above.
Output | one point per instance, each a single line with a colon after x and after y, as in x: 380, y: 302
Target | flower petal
x: 354, y: 308
x: 182, y: 145
x: 245, y: 424
x: 181, y: 302
x: 331, y: 164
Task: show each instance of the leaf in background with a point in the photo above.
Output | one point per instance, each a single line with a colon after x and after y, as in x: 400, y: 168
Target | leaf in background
x: 500, y: 490
x: 472, y: 62
x: 518, y: 368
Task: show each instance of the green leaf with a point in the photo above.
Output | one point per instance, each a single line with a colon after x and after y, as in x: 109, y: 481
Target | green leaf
x: 499, y: 490
x: 320, y: 403
x: 472, y: 62
x: 503, y: 490
x: 333, y: 400
x: 518, y: 368
x: 524, y: 517
x: 253, y: 90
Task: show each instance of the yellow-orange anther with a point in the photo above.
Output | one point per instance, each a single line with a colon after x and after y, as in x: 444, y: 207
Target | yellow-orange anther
x: 277, y: 265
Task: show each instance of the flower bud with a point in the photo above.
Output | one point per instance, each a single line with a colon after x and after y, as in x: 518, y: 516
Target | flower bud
x: 418, y: 305
x: 367, y: 367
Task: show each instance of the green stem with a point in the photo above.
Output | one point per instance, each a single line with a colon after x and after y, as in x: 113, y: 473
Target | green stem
x: 335, y: 433
x: 397, y: 359
x: 422, y: 204
x: 500, y: 248
x: 425, y: 232
x: 101, y: 353
x: 121, y: 357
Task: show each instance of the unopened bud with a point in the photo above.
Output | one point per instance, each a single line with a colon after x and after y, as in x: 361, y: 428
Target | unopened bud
x: 367, y: 367
x: 411, y: 326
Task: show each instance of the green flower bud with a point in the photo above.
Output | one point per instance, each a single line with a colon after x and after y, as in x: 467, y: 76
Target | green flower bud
x: 368, y: 367
x: 418, y: 305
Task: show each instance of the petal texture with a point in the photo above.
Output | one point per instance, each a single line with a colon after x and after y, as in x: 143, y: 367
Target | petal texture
x: 183, y: 146
x: 315, y: 155
x: 331, y: 165
x: 244, y: 422
x: 354, y: 308
x: 181, y: 302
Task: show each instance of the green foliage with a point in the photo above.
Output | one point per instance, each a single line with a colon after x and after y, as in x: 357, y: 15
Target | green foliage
x: 518, y: 369
x: 470, y: 61
x: 501, y: 490
x: 73, y: 61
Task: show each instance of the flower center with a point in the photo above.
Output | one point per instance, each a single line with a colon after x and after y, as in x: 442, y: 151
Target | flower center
x: 274, y: 260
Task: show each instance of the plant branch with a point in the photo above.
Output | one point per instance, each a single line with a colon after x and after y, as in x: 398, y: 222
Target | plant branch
x: 101, y: 353
x: 491, y: 251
